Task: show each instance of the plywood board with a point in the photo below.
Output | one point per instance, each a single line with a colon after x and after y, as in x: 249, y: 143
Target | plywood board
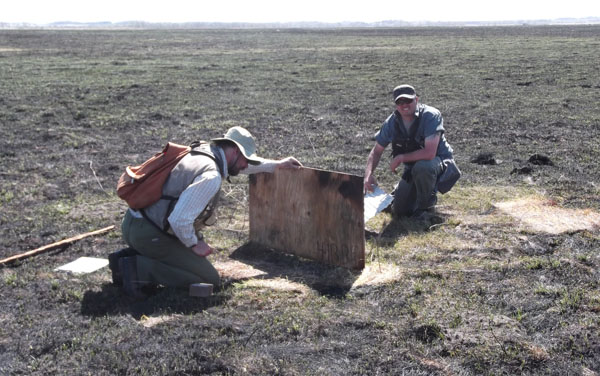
x: 311, y: 213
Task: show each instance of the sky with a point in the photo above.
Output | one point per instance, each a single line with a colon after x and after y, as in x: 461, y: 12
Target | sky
x: 256, y: 11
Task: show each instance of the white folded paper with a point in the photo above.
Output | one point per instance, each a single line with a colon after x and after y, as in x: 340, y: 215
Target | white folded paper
x: 375, y: 202
x: 84, y: 265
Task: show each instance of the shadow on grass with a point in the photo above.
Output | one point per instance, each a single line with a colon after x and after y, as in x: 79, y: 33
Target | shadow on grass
x: 399, y: 227
x: 112, y: 300
x: 327, y: 280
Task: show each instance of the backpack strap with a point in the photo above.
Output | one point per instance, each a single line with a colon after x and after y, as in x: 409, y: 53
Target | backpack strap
x: 147, y: 218
x: 203, y: 147
x: 197, y: 148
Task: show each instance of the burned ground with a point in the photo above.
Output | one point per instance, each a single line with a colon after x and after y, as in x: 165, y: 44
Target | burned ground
x: 483, y: 292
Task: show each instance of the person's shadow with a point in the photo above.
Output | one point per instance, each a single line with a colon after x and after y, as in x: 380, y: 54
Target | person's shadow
x: 395, y: 228
x: 111, y: 300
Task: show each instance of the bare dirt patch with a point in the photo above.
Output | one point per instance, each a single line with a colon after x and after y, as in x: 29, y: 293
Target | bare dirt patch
x: 546, y: 216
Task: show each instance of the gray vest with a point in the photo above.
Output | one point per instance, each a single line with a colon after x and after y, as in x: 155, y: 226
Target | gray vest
x: 183, y: 174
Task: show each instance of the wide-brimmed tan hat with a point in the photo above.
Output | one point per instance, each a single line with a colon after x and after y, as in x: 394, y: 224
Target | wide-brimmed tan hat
x: 244, y: 141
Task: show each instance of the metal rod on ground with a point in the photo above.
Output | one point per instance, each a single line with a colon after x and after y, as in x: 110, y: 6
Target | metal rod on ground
x: 55, y: 245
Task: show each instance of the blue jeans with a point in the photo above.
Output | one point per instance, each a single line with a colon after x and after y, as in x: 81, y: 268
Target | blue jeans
x: 420, y: 193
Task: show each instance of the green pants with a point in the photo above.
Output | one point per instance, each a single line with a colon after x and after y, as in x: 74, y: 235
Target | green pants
x: 420, y: 193
x: 164, y: 259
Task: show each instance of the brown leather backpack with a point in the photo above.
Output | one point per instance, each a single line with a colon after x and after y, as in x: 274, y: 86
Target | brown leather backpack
x: 141, y: 186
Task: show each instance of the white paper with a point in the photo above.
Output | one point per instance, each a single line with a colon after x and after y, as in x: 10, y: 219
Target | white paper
x: 84, y: 265
x: 375, y: 202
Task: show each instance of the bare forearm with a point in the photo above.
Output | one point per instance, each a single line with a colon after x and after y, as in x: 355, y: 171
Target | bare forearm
x: 418, y: 155
x: 372, y: 162
x: 425, y: 154
x: 270, y: 165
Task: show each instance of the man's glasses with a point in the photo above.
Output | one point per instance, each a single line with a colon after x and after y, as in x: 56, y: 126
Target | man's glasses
x: 404, y: 101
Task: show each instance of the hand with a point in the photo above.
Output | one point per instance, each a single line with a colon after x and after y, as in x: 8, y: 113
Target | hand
x: 370, y: 183
x: 289, y: 162
x: 202, y: 249
x: 396, y: 162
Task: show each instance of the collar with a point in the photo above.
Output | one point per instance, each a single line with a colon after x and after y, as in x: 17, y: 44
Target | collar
x: 417, y: 108
x: 224, y: 161
x: 222, y: 154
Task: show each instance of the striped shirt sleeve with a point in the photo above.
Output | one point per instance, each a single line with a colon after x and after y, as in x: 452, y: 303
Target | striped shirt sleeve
x: 266, y: 165
x: 191, y: 203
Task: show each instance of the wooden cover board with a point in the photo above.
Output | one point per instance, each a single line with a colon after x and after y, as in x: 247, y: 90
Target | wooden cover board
x: 311, y: 213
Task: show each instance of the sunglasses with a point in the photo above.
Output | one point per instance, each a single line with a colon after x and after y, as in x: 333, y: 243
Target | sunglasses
x: 404, y: 101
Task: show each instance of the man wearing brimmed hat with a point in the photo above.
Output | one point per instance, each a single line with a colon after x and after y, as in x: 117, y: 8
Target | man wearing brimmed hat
x: 171, y: 250
x: 416, y: 132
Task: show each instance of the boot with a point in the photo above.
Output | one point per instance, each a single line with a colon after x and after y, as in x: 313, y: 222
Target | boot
x: 131, y: 284
x: 113, y: 263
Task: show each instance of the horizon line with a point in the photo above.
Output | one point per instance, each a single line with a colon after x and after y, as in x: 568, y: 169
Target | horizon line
x: 381, y: 23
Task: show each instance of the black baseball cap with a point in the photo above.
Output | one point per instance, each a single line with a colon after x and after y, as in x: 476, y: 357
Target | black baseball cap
x: 404, y: 91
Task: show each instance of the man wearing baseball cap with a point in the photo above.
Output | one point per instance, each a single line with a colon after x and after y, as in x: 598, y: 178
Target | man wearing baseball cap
x: 416, y: 132
x: 169, y: 248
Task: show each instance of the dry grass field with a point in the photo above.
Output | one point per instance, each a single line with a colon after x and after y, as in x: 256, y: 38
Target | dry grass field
x: 507, y: 284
